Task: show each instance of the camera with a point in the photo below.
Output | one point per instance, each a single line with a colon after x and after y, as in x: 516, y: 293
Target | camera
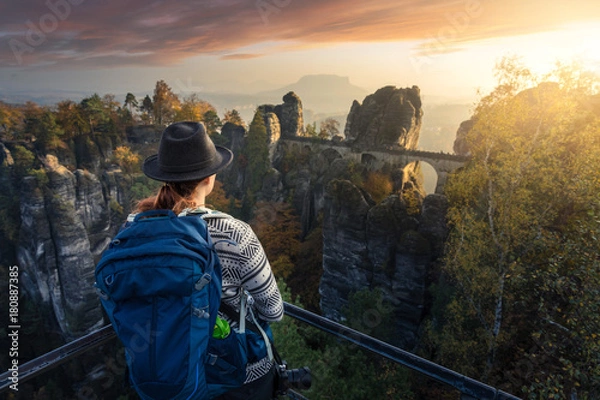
x: 298, y: 378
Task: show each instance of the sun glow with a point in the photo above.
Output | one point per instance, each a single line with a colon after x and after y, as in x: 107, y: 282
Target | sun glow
x: 572, y: 43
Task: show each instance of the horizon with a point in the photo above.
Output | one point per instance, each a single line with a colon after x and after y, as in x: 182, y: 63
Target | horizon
x: 446, y: 48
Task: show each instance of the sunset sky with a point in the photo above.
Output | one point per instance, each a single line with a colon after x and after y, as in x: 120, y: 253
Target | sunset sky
x: 448, y: 48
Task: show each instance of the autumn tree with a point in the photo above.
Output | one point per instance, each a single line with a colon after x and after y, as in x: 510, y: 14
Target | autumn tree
x: 128, y: 160
x: 522, y: 308
x: 278, y: 229
x: 10, y: 120
x: 165, y: 103
x: 329, y: 128
x: 379, y: 185
x: 193, y: 109
x: 69, y: 116
x: 234, y: 117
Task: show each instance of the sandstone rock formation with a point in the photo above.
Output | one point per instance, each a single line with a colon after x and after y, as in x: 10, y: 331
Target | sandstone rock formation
x: 367, y: 246
x: 54, y: 251
x: 290, y: 116
x: 388, y: 117
x: 460, y: 146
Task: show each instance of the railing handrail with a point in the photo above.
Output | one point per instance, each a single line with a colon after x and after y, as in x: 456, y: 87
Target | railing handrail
x: 464, y: 384
x: 467, y: 386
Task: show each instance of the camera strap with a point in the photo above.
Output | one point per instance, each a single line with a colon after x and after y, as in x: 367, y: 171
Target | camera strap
x: 264, y: 335
x: 253, y: 325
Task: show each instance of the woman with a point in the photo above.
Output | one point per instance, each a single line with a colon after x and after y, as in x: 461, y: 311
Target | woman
x: 187, y: 161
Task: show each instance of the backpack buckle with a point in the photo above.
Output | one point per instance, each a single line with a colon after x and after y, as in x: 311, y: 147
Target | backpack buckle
x: 200, y: 313
x: 100, y: 293
x: 202, y: 282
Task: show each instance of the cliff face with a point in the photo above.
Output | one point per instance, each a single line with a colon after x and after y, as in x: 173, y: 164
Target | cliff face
x: 390, y: 245
x: 64, y: 225
x: 368, y: 246
x: 289, y: 116
x: 66, y: 221
x: 388, y: 117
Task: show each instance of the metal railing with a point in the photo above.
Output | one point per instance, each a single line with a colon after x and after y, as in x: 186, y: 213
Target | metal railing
x: 469, y: 388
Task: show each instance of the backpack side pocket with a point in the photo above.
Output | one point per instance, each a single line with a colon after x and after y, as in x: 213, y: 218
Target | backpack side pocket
x: 226, y: 363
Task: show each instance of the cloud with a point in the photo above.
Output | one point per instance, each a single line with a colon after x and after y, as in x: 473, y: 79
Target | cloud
x: 240, y: 56
x: 134, y: 32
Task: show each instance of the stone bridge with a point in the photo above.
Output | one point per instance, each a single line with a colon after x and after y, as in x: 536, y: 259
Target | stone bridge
x: 442, y: 163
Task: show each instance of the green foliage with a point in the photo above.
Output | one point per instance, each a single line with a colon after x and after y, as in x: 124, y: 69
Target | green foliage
x: 23, y: 161
x: 130, y: 102
x: 311, y: 130
x: 293, y: 158
x: 147, y: 109
x: 40, y: 176
x: 368, y: 313
x: 212, y: 122
x: 522, y: 250
x: 142, y: 187
x: 256, y: 152
x: 247, y: 207
x: 116, y: 207
x: 41, y: 124
x: 304, y: 280
x: 92, y: 110
x: 340, y: 370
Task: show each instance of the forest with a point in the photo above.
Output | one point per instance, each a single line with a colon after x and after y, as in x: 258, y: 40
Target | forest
x: 514, y: 301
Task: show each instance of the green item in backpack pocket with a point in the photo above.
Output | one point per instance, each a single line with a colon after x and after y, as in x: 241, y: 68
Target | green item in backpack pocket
x: 222, y: 329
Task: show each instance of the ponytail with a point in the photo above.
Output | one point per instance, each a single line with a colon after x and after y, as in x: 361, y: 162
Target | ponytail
x: 175, y: 196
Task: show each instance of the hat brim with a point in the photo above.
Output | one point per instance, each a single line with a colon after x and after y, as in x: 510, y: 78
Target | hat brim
x: 152, y: 168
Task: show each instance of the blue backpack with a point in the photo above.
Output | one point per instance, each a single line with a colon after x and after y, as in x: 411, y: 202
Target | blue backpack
x: 160, y: 284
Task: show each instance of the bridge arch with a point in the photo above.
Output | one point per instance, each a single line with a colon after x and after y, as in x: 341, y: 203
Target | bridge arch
x: 368, y: 159
x: 436, y: 166
x: 331, y: 154
x: 430, y: 175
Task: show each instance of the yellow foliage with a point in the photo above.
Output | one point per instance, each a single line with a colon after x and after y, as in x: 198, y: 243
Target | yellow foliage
x: 128, y: 160
x: 378, y: 185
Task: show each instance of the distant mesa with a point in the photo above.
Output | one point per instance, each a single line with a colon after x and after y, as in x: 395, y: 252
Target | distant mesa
x: 322, y: 93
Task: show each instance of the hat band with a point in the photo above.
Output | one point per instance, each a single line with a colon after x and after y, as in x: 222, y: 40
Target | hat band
x: 186, y: 168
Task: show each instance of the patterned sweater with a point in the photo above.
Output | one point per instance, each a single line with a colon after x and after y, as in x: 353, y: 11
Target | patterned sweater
x: 244, y: 265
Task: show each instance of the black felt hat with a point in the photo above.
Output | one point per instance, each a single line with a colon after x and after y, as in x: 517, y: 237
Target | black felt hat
x: 186, y: 153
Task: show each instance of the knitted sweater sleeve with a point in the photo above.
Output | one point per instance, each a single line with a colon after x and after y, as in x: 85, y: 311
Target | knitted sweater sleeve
x: 245, y: 264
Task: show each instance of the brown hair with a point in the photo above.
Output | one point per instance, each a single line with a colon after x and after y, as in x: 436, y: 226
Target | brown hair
x: 175, y: 196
